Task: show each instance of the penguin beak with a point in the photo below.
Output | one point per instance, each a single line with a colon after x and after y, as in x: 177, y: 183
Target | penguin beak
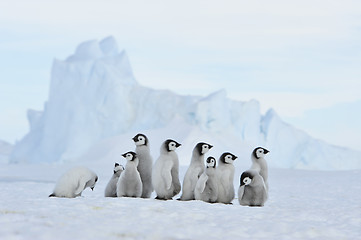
x: 178, y: 145
x: 124, y: 155
x: 265, y: 151
x: 210, y: 146
x: 135, y: 139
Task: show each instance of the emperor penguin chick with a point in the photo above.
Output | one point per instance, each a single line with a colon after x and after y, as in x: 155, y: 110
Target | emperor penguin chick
x: 166, y: 171
x: 252, y: 190
x: 207, y: 187
x: 259, y: 163
x: 129, y: 183
x: 194, y: 171
x: 225, y: 175
x: 145, y: 163
x: 72, y: 183
x: 111, y: 189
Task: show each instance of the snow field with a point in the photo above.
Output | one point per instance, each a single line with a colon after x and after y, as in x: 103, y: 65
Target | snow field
x: 301, y: 205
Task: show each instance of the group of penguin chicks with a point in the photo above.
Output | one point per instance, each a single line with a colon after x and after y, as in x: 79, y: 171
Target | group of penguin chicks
x: 207, y: 183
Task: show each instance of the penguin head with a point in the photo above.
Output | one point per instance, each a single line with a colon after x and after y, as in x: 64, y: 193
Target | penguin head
x: 91, y: 183
x: 171, y: 145
x: 140, y: 139
x: 246, y: 178
x: 203, y: 148
x: 227, y: 158
x: 259, y: 152
x: 118, y: 168
x: 130, y: 156
x: 211, y: 162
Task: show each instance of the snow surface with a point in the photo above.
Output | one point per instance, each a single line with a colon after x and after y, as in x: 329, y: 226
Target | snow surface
x: 94, y: 97
x: 302, y: 205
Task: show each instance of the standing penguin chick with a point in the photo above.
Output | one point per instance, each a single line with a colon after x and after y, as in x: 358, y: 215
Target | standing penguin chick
x: 72, y: 183
x: 259, y: 163
x: 207, y: 187
x: 145, y: 163
x: 129, y: 183
x: 225, y: 175
x: 194, y: 171
x: 252, y: 190
x: 111, y: 189
x: 166, y: 171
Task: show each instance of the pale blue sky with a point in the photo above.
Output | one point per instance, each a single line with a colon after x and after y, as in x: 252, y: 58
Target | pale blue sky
x: 302, y: 58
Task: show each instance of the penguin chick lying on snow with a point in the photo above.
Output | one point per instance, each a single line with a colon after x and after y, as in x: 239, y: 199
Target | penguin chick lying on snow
x: 72, y: 183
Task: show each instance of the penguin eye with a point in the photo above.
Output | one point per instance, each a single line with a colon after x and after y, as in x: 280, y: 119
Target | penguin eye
x: 247, y: 180
x: 205, y: 146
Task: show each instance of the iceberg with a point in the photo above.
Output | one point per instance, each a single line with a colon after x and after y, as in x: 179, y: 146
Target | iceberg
x: 94, y: 96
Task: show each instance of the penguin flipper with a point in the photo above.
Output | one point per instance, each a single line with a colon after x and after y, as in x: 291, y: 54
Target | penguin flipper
x: 81, y: 186
x: 240, y: 196
x: 201, y: 184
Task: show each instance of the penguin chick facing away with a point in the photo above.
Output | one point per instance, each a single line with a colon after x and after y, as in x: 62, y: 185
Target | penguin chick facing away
x: 252, y: 190
x: 145, y: 163
x: 111, y: 188
x: 166, y: 171
x: 129, y: 183
x: 225, y: 175
x: 259, y: 163
x: 72, y: 183
x: 207, y: 186
x: 194, y: 171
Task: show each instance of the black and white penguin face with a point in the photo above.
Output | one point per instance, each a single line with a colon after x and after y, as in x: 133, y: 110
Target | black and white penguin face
x: 140, y: 139
x: 211, y: 162
x: 246, y: 178
x: 203, y: 148
x: 259, y: 152
x: 227, y: 158
x: 118, y: 168
x: 130, y: 156
x: 171, y: 145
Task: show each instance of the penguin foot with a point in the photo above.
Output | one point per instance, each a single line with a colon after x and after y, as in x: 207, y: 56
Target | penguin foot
x: 159, y: 198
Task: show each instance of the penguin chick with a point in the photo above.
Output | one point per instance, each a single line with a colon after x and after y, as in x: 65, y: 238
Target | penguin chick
x: 145, y: 163
x: 207, y: 186
x: 225, y: 175
x: 259, y: 163
x: 72, y: 183
x: 194, y: 171
x: 165, y: 174
x: 111, y: 189
x: 129, y: 183
x: 252, y: 190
